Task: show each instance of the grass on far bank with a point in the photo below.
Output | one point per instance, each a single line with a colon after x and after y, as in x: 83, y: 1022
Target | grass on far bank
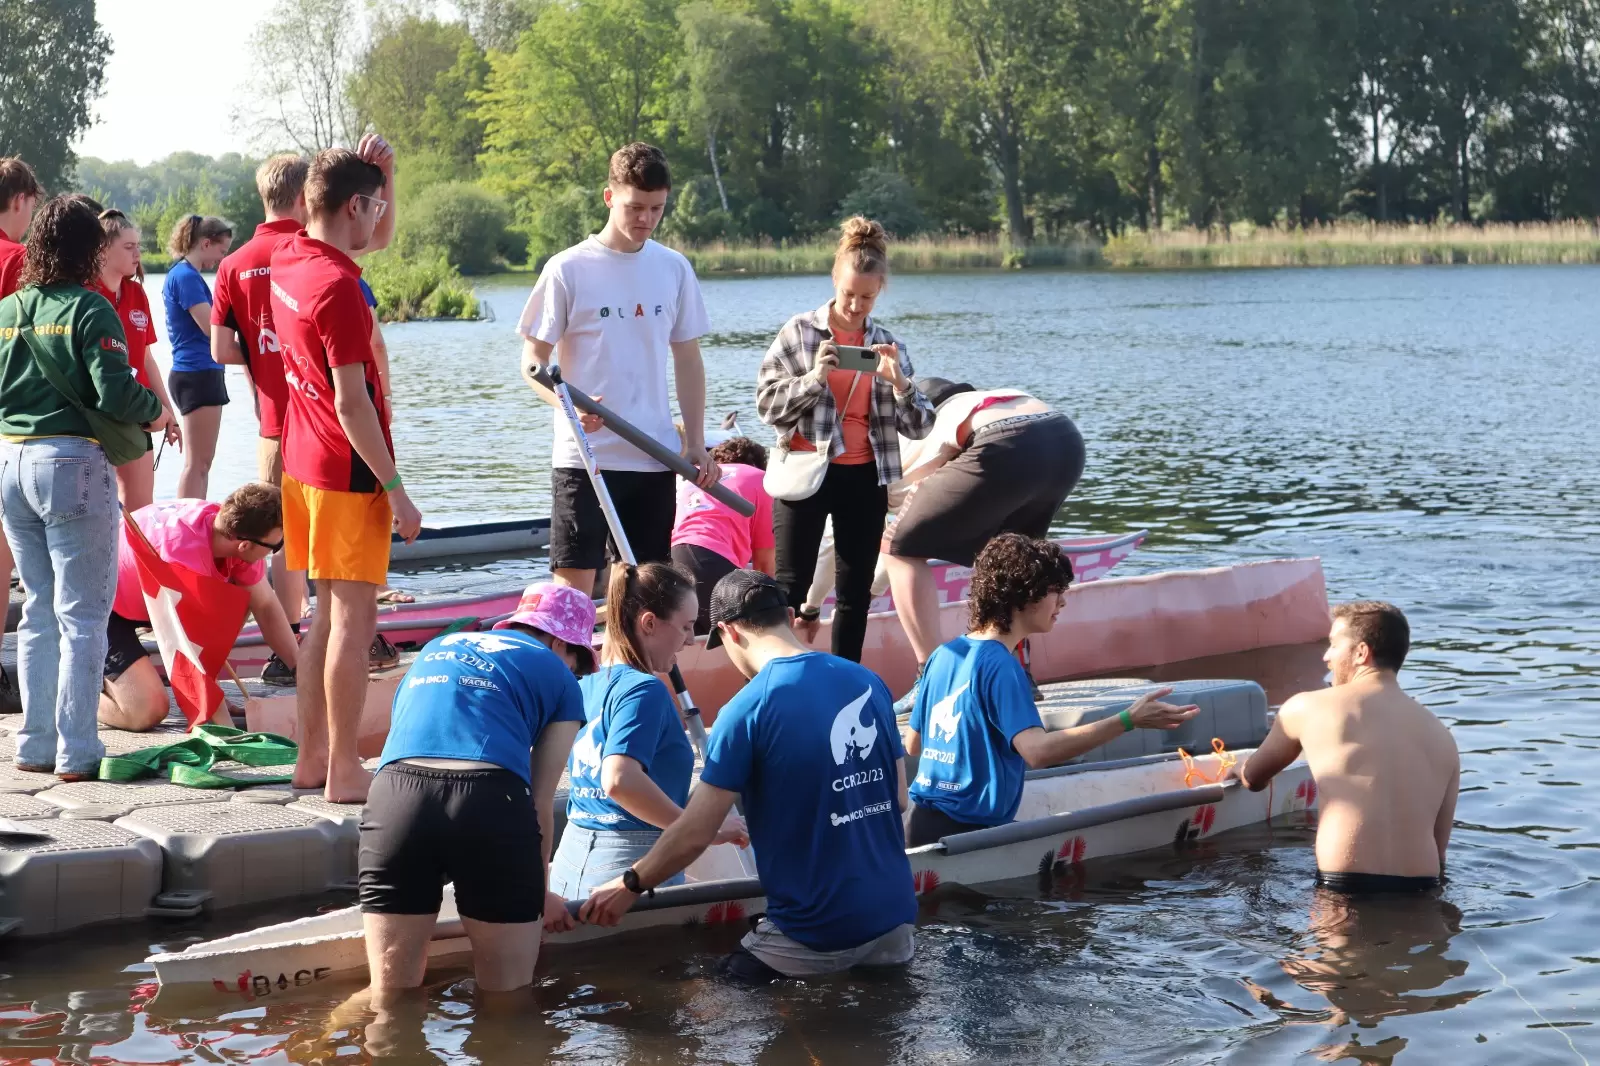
x: 1358, y: 244
x: 916, y: 255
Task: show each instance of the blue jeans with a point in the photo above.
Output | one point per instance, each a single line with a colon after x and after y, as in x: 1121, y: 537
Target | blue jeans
x: 58, y: 500
x: 587, y: 858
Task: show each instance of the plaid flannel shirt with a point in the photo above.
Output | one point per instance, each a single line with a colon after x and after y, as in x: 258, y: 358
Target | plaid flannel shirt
x: 791, y: 404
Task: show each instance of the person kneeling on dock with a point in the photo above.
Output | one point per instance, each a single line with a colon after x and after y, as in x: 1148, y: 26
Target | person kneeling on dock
x: 1386, y: 769
x: 974, y: 724
x: 230, y: 541
x: 458, y: 799
x: 810, y: 745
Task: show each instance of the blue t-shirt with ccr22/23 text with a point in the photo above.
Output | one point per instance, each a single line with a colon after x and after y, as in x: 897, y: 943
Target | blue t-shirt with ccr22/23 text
x: 973, y: 700
x: 630, y: 713
x: 483, y: 697
x: 811, y: 744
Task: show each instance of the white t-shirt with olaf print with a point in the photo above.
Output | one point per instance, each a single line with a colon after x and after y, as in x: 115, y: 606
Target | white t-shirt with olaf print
x: 612, y: 316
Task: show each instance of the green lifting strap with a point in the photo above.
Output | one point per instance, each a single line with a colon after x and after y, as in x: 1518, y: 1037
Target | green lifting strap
x: 191, y: 762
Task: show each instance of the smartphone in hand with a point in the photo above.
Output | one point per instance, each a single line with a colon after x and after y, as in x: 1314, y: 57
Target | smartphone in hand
x: 861, y: 360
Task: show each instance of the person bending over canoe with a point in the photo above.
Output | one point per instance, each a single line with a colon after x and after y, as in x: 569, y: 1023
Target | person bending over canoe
x: 810, y: 745
x: 457, y: 797
x: 1386, y: 769
x: 975, y: 724
x: 996, y: 462
x: 631, y: 765
x: 229, y: 541
x: 711, y: 539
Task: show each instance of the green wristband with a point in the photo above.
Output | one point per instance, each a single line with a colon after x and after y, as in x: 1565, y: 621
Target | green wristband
x: 394, y: 483
x: 1127, y: 721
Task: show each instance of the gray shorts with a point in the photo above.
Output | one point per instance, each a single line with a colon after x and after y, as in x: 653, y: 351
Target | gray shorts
x: 793, y: 959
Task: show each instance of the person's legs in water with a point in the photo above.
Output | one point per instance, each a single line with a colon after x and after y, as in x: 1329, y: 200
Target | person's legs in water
x: 200, y: 429
x: 858, y: 505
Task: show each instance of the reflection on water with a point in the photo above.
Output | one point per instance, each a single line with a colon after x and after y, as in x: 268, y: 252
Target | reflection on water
x: 1427, y: 432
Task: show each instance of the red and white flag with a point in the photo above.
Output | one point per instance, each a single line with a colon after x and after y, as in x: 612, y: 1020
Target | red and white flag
x: 196, y: 619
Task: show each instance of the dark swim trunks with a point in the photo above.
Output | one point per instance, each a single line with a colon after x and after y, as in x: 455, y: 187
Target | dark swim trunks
x: 1358, y: 884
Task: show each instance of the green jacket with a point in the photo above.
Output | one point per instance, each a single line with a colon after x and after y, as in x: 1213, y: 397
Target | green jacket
x: 80, y: 329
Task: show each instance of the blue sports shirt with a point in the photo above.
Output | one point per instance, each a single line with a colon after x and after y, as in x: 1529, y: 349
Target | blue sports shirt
x: 629, y: 713
x: 484, y: 697
x: 811, y: 745
x: 191, y: 345
x: 973, y: 700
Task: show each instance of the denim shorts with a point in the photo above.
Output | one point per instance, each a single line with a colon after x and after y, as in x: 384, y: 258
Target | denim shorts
x: 588, y: 858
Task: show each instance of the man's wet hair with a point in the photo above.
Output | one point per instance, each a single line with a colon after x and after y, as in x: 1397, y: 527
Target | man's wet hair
x: 1381, y: 626
x: 1011, y: 572
x: 643, y: 166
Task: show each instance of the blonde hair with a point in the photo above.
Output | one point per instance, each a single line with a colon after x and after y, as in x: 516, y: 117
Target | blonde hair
x: 281, y: 180
x: 659, y: 588
x: 190, y: 231
x: 864, y: 246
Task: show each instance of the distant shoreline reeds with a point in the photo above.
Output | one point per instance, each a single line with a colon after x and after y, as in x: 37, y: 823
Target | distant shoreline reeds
x: 913, y: 255
x: 1358, y: 244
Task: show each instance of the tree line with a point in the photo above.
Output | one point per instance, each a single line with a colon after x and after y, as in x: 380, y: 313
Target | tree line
x: 1040, y: 120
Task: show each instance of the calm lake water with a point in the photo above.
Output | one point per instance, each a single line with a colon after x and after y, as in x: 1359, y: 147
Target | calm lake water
x: 1428, y: 432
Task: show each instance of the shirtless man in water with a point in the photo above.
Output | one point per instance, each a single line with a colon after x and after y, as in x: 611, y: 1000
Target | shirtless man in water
x: 1386, y: 769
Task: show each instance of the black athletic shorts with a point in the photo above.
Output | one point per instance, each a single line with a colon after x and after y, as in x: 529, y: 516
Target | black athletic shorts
x: 1359, y: 884
x: 123, y: 646
x: 423, y: 827
x: 646, y: 502
x: 194, y: 389
x: 929, y: 825
x: 1012, y: 478
x: 708, y: 567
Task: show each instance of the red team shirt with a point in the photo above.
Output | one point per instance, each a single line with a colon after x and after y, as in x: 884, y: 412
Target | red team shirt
x: 11, y: 254
x: 133, y: 308
x: 322, y: 322
x: 242, y: 303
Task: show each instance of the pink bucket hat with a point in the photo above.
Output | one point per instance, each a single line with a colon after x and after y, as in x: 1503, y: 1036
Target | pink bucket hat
x: 560, y: 611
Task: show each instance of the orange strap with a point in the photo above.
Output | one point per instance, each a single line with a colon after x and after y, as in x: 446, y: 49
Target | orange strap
x: 1226, y: 761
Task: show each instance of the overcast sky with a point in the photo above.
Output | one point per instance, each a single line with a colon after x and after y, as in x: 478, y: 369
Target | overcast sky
x: 165, y: 91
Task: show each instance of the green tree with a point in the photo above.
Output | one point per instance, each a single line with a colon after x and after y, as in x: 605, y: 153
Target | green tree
x: 465, y: 222
x: 406, y: 59
x: 303, y: 55
x: 585, y: 79
x: 55, y: 55
x: 726, y: 56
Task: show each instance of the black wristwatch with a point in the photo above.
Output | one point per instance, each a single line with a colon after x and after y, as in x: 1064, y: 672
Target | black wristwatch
x: 809, y: 614
x: 630, y: 881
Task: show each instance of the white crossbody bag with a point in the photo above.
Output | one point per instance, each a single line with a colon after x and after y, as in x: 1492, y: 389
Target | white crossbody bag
x: 798, y: 475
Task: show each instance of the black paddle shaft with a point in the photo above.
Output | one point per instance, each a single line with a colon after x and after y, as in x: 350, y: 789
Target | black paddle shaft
x: 549, y: 377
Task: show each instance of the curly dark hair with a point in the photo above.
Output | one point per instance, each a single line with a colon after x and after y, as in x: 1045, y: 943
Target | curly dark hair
x: 1013, y: 571
x: 740, y: 450
x: 65, y: 244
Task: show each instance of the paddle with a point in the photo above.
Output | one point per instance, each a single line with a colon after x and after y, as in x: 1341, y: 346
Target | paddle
x: 548, y: 384
x: 564, y: 397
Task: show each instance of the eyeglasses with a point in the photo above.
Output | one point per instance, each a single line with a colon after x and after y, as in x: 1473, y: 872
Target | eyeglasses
x: 263, y: 544
x: 379, y: 207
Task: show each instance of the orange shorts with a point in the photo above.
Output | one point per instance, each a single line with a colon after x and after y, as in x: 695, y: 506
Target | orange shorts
x: 336, y: 536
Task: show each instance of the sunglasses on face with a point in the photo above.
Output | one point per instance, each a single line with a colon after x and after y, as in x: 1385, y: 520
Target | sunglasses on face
x: 263, y: 544
x: 379, y: 207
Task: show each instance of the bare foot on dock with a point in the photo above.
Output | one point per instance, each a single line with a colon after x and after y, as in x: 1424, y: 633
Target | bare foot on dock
x: 348, y: 784
x: 310, y: 770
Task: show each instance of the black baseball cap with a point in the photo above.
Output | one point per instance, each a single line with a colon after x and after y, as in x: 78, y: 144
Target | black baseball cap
x: 938, y: 390
x: 743, y: 594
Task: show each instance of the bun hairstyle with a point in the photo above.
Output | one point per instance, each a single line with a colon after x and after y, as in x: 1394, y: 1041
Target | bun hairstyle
x: 193, y: 229
x: 863, y: 246
x: 659, y: 588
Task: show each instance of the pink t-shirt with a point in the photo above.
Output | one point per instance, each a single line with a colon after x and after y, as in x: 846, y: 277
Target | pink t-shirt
x: 715, y: 526
x: 180, y: 532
